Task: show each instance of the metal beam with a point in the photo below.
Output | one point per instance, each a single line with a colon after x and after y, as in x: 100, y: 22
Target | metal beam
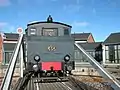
x: 10, y: 70
x: 105, y: 74
x: 21, y: 61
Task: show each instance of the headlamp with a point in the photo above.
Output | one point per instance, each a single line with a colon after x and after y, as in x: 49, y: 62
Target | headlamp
x: 37, y: 58
x: 35, y: 68
x: 67, y: 58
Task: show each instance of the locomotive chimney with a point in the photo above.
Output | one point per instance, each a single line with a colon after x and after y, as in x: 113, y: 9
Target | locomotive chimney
x: 49, y: 19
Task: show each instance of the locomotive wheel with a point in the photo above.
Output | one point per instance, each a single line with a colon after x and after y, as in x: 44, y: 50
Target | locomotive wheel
x: 60, y: 73
x: 70, y: 72
x: 35, y: 74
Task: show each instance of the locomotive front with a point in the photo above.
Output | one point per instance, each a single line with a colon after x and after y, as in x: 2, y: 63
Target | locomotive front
x: 50, y: 48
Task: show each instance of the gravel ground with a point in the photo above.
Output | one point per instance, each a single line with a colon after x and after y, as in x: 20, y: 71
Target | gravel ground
x: 96, y: 82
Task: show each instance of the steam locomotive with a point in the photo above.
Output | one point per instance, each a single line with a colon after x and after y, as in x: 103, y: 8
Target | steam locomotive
x: 49, y: 48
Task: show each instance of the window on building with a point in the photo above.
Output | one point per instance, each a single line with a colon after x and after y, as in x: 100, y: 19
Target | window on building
x: 112, y: 54
x: 79, y: 56
x: 98, y: 56
x: 8, y: 57
x: 92, y: 53
x: 118, y: 53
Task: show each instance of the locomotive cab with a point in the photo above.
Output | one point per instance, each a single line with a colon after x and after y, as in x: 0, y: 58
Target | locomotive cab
x: 50, y: 48
x: 48, y: 29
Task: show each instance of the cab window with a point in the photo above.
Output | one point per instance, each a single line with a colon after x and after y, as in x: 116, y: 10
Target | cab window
x: 50, y: 32
x: 66, y: 31
x: 32, y: 31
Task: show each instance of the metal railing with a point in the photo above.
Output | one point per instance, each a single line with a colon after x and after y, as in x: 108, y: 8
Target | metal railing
x: 105, y: 74
x: 11, y: 67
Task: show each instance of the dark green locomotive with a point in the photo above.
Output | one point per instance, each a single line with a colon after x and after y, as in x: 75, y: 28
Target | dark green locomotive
x: 50, y: 48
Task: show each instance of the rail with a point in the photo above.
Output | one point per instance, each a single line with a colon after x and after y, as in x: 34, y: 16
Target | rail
x: 23, y: 82
x: 105, y: 74
x: 11, y: 67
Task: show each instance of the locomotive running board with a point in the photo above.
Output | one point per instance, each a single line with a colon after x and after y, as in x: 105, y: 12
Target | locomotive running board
x: 105, y: 74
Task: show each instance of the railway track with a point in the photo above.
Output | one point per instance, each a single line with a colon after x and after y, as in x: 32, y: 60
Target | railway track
x: 71, y: 84
x: 34, y: 84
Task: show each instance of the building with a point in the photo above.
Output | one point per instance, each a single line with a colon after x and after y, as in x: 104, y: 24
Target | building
x: 82, y: 65
x: 1, y: 48
x: 111, y: 49
x: 87, y: 42
x: 94, y: 49
x: 9, y: 42
x: 83, y: 37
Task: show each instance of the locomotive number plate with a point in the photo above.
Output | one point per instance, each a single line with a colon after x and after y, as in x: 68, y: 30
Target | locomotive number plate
x: 51, y: 48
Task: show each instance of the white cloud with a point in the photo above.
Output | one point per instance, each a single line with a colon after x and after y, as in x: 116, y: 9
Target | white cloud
x: 81, y: 24
x: 5, y: 2
x: 6, y: 27
x: 2, y: 24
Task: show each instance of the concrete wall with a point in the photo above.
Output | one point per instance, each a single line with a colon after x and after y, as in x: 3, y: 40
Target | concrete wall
x: 84, y: 69
x: 3, y: 70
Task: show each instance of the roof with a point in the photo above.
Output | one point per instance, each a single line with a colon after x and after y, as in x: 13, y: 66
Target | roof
x: 81, y: 36
x: 11, y: 36
x: 90, y: 46
x: 49, y: 22
x: 113, y: 38
x: 9, y: 46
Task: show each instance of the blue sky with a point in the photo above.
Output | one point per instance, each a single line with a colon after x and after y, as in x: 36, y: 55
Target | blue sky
x: 99, y: 17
